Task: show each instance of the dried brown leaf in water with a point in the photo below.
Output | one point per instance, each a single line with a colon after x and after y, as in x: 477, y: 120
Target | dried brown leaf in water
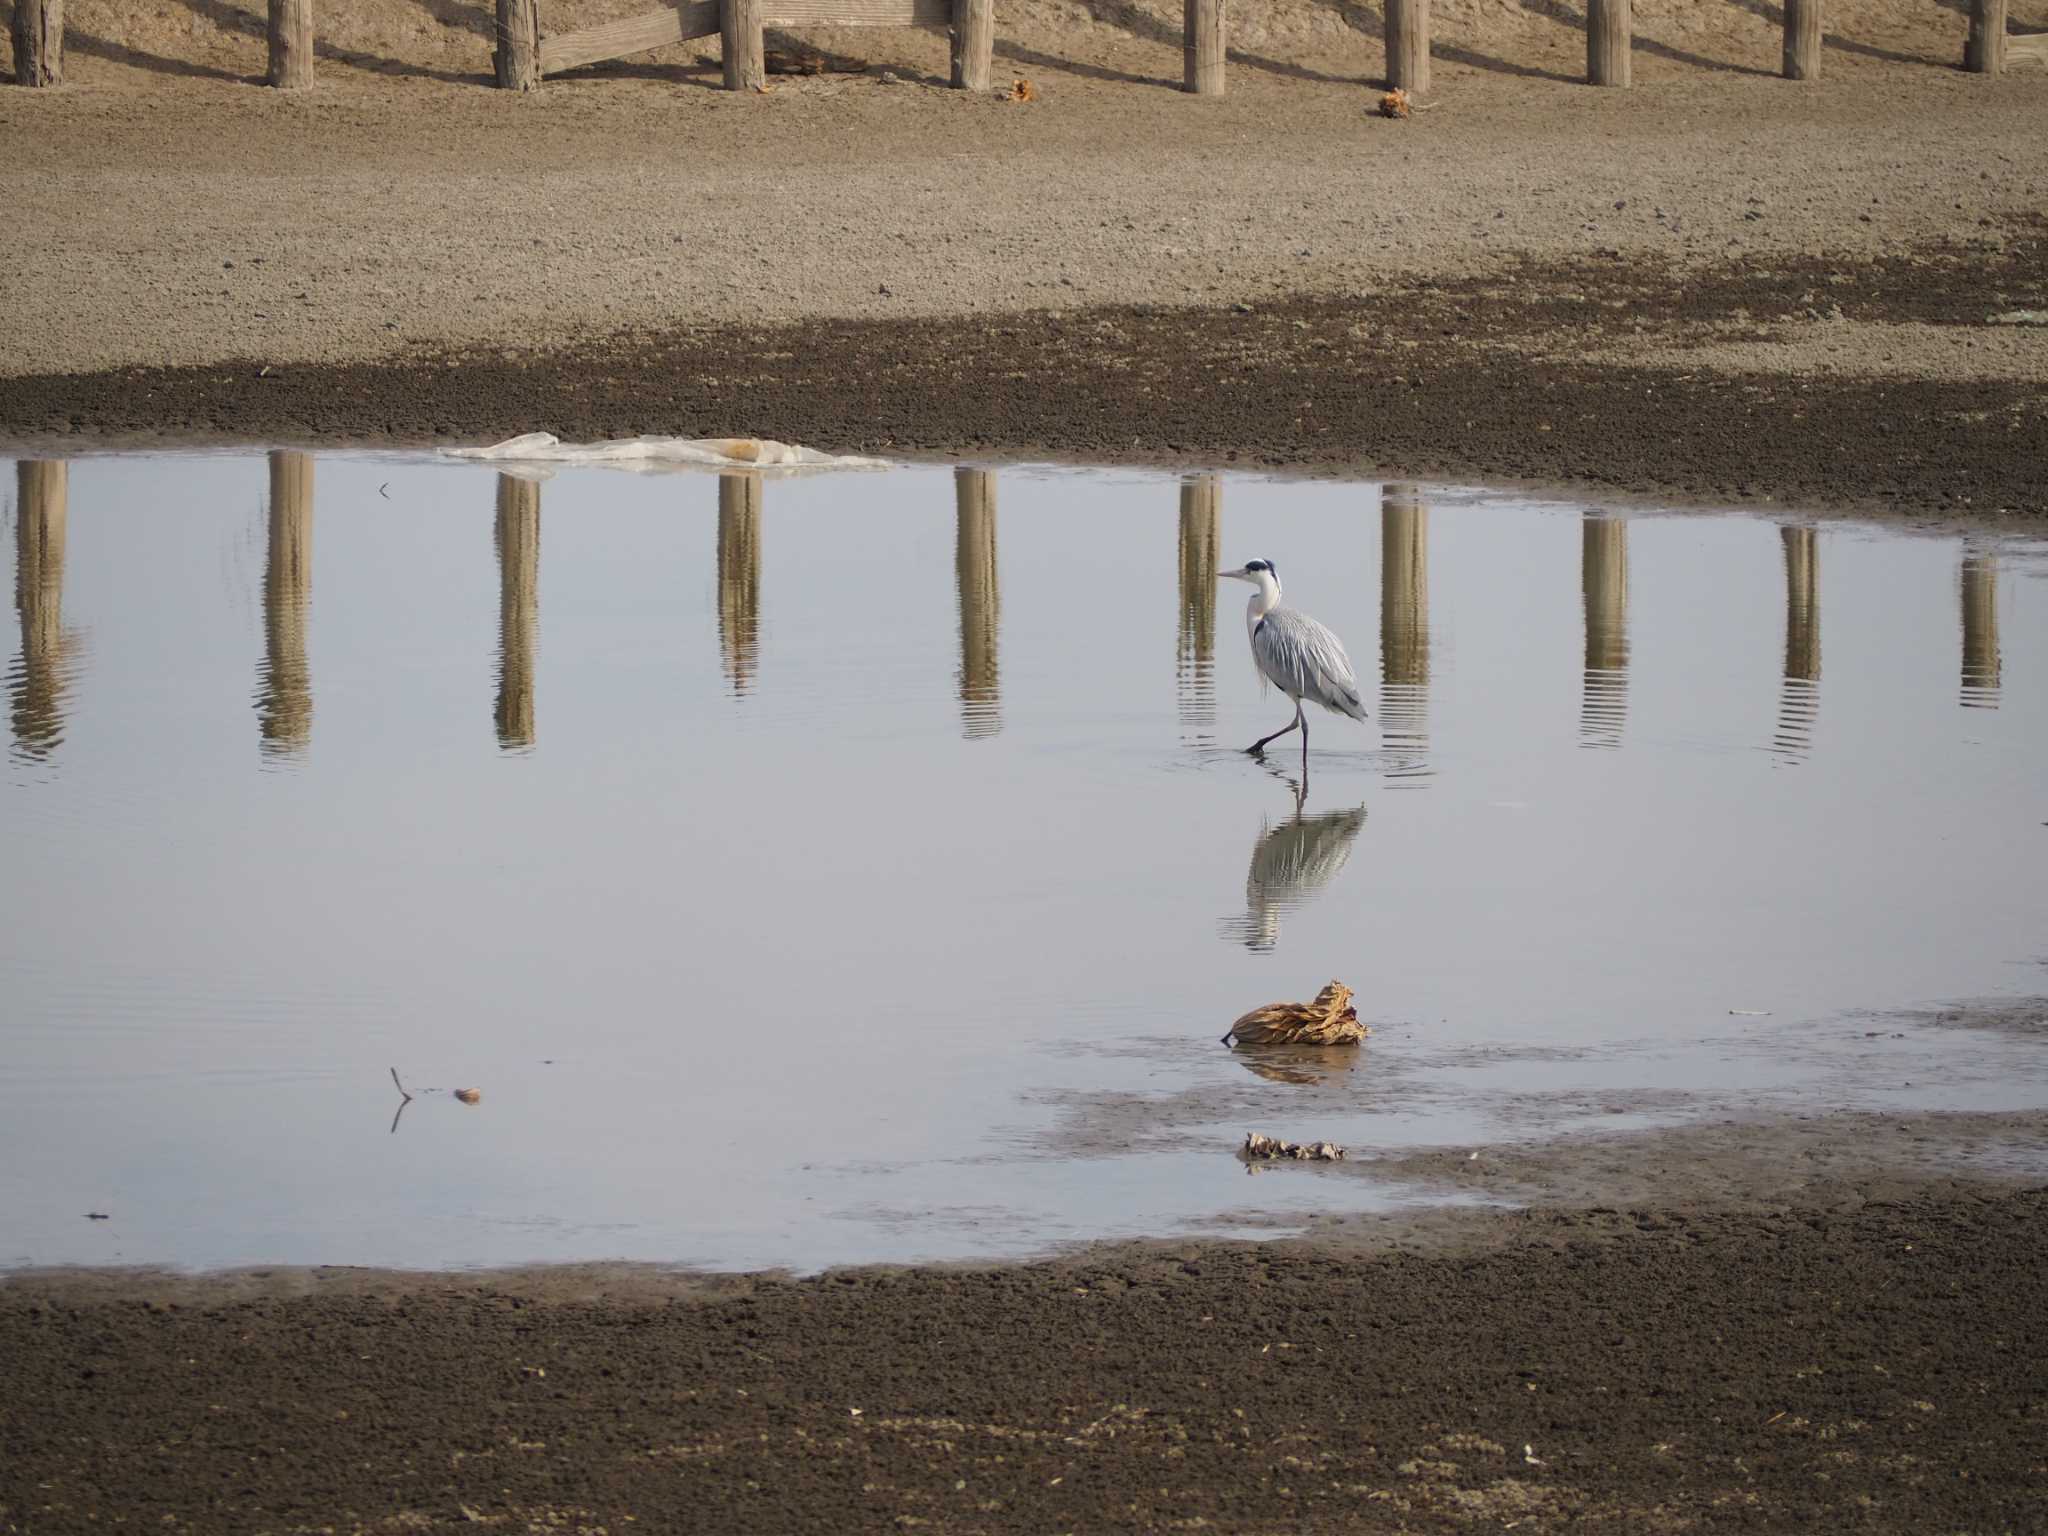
x: 1329, y: 1020
x: 1394, y: 103
x: 469, y: 1095
x: 1023, y: 90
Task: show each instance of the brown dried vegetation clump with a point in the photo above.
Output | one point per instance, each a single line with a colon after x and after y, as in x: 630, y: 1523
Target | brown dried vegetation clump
x: 1260, y: 1148
x: 1329, y: 1020
x: 1394, y: 103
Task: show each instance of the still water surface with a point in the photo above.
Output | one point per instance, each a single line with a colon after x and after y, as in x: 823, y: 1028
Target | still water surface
x: 834, y: 869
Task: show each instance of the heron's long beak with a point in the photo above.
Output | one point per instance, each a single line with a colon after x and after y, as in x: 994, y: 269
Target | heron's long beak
x: 1240, y: 574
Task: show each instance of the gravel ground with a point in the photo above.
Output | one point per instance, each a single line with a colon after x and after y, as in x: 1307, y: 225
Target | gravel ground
x: 375, y: 220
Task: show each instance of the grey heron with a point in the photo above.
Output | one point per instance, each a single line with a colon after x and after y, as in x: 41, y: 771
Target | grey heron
x: 1294, y: 653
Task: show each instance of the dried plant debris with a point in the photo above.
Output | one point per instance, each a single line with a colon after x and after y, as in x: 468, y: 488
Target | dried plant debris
x: 1329, y: 1020
x: 1395, y: 103
x: 1023, y: 90
x: 470, y: 1095
x: 1264, y: 1148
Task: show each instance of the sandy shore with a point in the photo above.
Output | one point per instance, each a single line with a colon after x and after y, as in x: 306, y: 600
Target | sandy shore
x: 1861, y: 1347
x: 1718, y: 285
x: 1763, y: 1325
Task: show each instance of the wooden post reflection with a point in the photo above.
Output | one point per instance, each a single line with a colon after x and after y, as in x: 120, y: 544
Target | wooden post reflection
x: 517, y: 537
x: 1404, y: 623
x: 1194, y: 670
x: 1603, y: 568
x: 739, y: 576
x: 1799, y: 695
x: 284, y: 683
x: 1981, y: 660
x: 981, y: 602
x: 42, y: 676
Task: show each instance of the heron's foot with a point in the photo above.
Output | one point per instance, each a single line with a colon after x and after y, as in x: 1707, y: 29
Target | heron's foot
x: 1256, y: 749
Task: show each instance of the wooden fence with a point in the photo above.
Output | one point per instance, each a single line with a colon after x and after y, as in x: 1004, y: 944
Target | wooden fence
x: 523, y: 57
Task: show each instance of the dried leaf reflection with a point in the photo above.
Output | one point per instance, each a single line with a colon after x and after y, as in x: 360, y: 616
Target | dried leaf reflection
x: 1299, y: 1064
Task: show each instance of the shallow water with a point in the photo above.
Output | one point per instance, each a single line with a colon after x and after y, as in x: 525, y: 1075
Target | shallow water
x: 863, y: 866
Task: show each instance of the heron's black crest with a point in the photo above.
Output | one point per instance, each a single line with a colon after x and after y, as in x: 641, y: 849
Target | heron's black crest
x: 1261, y: 565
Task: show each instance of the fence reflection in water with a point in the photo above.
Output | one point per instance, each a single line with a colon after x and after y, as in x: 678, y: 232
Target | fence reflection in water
x: 1404, y: 630
x: 1982, y: 662
x: 980, y: 602
x: 739, y: 578
x: 1603, y: 566
x: 41, y: 676
x: 1799, y: 693
x: 516, y: 536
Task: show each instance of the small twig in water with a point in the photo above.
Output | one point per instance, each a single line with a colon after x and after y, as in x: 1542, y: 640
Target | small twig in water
x: 404, y: 1099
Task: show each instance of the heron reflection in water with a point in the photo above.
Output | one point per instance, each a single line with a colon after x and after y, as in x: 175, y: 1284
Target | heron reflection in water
x: 1291, y: 863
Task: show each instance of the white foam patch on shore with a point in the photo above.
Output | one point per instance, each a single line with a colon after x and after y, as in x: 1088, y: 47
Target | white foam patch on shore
x: 535, y: 455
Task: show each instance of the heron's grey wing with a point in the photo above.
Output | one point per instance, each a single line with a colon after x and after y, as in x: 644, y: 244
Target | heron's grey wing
x: 1308, y: 661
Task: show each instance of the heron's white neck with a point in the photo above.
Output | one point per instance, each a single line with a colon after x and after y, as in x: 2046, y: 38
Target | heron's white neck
x: 1264, y: 601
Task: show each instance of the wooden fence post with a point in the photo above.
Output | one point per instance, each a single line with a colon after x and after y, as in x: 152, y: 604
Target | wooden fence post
x: 1202, y: 44
x: 291, y: 44
x: 1408, y: 46
x: 1608, y: 26
x: 739, y: 26
x: 974, y: 44
x: 518, y: 54
x: 1984, y: 53
x: 38, y: 42
x: 1802, y: 39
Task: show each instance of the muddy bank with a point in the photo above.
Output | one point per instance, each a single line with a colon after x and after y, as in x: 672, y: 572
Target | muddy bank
x: 1533, y: 375
x: 1876, y: 1359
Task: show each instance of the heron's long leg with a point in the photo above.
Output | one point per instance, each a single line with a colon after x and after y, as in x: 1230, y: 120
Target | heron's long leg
x: 1302, y: 720
x: 1297, y: 723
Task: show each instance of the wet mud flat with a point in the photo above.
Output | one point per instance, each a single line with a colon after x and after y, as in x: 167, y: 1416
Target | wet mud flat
x: 1856, y: 1349
x: 1886, y: 386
